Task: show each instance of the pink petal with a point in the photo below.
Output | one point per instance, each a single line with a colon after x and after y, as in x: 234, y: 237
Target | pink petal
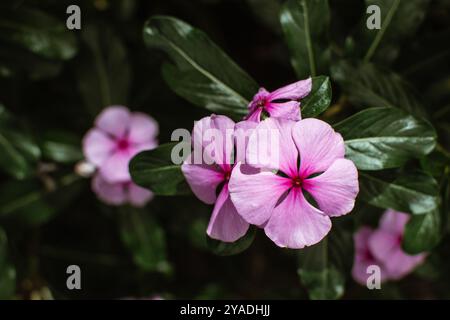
x: 383, y: 244
x: 255, y: 194
x: 361, y: 239
x: 286, y: 110
x: 225, y: 223
x: 110, y: 193
x: 296, y: 224
x: 394, y: 221
x: 97, y: 146
x: 143, y: 129
x: 335, y: 190
x: 143, y: 147
x: 294, y: 91
x: 400, y: 264
x: 115, y: 169
x: 114, y: 120
x: 271, y: 146
x: 138, y: 196
x: 254, y: 115
x: 203, y: 179
x: 242, y: 133
x: 319, y: 145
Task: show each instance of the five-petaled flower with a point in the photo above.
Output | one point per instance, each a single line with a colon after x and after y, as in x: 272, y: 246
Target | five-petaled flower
x: 118, y: 135
x: 209, y: 180
x: 311, y: 159
x: 281, y: 103
x: 383, y: 247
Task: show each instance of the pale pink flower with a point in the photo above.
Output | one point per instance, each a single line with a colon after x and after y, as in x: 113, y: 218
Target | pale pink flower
x: 281, y: 103
x: 311, y: 158
x: 118, y: 135
x: 209, y: 182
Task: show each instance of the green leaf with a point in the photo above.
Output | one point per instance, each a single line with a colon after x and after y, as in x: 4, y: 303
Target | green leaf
x: 18, y: 153
x: 322, y: 267
x: 155, y: 170
x: 231, y: 248
x: 7, y: 271
x: 103, y: 71
x: 305, y: 24
x: 367, y: 85
x: 319, y: 98
x: 145, y: 238
x: 381, y: 138
x: 61, y: 146
x: 37, y: 32
x: 415, y: 193
x: 200, y: 71
x: 399, y: 21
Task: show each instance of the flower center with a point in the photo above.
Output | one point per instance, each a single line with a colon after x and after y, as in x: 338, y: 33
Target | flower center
x: 227, y: 175
x: 261, y: 103
x: 123, y: 144
x: 297, y: 182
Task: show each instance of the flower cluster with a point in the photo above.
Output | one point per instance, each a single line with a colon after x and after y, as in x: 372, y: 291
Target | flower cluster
x: 275, y: 191
x: 382, y: 247
x: 117, y: 136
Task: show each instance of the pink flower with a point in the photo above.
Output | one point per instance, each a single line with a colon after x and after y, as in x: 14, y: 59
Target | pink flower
x: 209, y: 182
x: 119, y: 193
x: 118, y: 135
x: 384, y: 245
x: 280, y: 103
x: 277, y: 203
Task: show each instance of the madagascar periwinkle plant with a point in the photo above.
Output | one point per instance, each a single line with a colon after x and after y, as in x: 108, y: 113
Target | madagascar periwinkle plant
x: 206, y: 150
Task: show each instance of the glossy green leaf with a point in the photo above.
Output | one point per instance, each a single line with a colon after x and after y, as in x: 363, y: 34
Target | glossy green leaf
x: 322, y: 267
x: 62, y: 147
x: 381, y: 138
x: 305, y: 24
x: 7, y: 271
x: 155, y: 170
x: 200, y: 71
x: 399, y: 21
x: 103, y: 71
x: 37, y: 32
x: 145, y: 238
x: 319, y: 98
x: 367, y: 85
x: 415, y: 193
x: 231, y: 248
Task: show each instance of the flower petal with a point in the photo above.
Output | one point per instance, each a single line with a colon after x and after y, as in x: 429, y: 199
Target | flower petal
x: 296, y: 224
x: 203, y: 179
x: 382, y: 244
x: 255, y: 194
x: 335, y: 190
x: 293, y: 91
x: 143, y: 129
x: 254, y: 115
x: 285, y: 110
x: 138, y: 196
x: 400, y: 264
x: 115, y: 169
x: 109, y: 193
x: 114, y: 120
x: 242, y: 133
x: 97, y: 146
x: 319, y: 145
x: 394, y: 221
x: 271, y: 146
x: 225, y: 223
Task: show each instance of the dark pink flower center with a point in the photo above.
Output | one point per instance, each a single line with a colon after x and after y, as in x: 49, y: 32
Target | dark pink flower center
x: 261, y: 103
x: 123, y: 144
x: 297, y: 182
x: 227, y: 175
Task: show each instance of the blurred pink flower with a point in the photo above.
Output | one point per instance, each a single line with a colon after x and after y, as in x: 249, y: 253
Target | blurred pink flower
x: 280, y: 103
x: 276, y: 201
x: 118, y: 135
x: 383, y: 247
x: 119, y: 193
x: 209, y: 182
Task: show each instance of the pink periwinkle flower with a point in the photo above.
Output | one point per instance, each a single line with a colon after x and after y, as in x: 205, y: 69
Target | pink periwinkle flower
x: 209, y: 180
x: 383, y: 247
x: 117, y: 136
x: 281, y: 103
x: 311, y: 159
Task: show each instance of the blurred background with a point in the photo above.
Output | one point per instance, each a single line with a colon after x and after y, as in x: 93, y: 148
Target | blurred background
x: 53, y: 83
